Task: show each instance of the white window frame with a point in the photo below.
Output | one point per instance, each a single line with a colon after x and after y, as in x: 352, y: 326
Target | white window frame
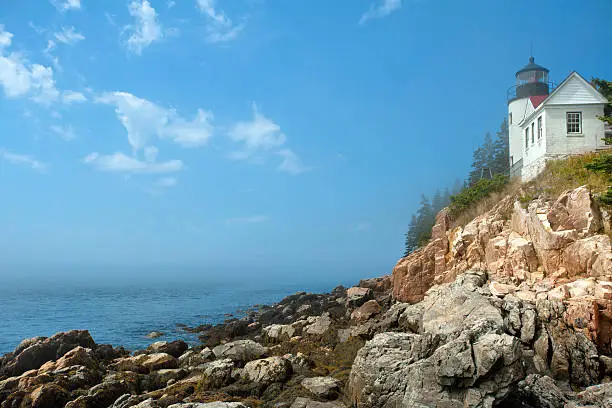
x: 573, y: 123
x: 527, y: 138
x: 540, y: 130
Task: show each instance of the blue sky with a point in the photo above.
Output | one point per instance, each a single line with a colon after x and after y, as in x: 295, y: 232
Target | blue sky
x: 271, y: 134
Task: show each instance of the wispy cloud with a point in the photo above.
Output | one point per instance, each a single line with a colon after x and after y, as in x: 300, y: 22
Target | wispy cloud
x: 65, y: 132
x: 145, y: 120
x: 255, y: 219
x: 219, y: 28
x: 145, y: 29
x: 120, y: 163
x: 291, y: 163
x: 171, y: 4
x: 66, y: 4
x: 69, y: 97
x: 380, y: 9
x: 69, y: 35
x: 22, y: 160
x: 256, y: 135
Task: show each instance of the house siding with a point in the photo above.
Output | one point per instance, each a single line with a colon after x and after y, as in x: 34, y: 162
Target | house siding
x: 534, y: 158
x: 562, y: 143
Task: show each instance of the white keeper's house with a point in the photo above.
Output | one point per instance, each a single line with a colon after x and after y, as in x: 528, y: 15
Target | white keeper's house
x: 547, y: 121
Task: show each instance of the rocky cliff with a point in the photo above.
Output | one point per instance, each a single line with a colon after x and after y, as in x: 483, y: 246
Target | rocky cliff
x: 513, y: 309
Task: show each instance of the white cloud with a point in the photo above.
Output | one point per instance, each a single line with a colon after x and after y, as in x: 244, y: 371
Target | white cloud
x: 6, y: 38
x: 146, y: 28
x: 22, y: 159
x: 291, y: 163
x: 380, y: 9
x: 69, y: 97
x: 220, y: 28
x: 120, y: 163
x: 67, y: 4
x: 171, y: 4
x: 145, y: 120
x: 43, y: 85
x: 258, y: 134
x: 69, y: 35
x: 166, y: 182
x: 65, y: 132
x: 255, y: 219
x: 20, y: 78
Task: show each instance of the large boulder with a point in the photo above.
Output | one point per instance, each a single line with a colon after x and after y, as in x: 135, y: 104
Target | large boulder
x: 146, y: 363
x: 240, y: 351
x: 34, y: 353
x: 174, y: 348
x: 267, y: 371
x: 216, y: 374
x: 365, y: 311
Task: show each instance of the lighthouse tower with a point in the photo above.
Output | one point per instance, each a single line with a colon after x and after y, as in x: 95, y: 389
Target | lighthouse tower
x: 531, y: 88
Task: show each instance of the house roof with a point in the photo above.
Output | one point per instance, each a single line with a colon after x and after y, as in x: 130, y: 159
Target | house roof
x: 537, y: 100
x: 574, y: 74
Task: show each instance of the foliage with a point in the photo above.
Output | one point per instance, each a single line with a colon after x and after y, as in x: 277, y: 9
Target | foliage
x: 603, y: 164
x: 419, y: 230
x: 605, y: 88
x: 565, y: 174
x: 490, y: 164
x: 476, y: 192
x: 492, y: 156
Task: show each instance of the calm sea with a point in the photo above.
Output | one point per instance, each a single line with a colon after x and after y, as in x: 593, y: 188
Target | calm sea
x: 123, y: 313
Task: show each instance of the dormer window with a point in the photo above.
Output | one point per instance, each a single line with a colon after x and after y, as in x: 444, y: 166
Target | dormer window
x: 574, y: 122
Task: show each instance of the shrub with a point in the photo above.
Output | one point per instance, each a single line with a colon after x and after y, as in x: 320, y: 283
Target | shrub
x: 469, y: 196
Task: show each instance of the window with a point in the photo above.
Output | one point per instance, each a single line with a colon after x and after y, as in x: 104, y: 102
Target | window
x: 526, y: 138
x: 510, y: 117
x: 532, y: 132
x: 512, y: 160
x: 539, y: 128
x: 574, y: 122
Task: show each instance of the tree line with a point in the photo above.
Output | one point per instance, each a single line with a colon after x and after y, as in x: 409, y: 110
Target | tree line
x: 488, y: 160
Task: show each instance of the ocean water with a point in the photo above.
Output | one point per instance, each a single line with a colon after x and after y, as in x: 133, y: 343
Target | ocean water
x: 123, y: 313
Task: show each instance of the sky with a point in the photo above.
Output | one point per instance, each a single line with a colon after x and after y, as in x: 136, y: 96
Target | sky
x: 251, y: 136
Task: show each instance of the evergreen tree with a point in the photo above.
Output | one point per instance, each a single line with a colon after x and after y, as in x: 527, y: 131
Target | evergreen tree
x: 483, y: 160
x: 447, y: 197
x: 411, y: 243
x: 425, y: 220
x: 501, y: 151
x: 437, y: 202
x: 457, y: 187
x: 605, y: 88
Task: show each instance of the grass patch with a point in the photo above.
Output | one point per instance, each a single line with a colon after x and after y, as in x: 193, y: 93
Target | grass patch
x: 565, y: 174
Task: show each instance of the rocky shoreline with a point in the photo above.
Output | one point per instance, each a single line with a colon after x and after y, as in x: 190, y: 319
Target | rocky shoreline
x: 513, y: 309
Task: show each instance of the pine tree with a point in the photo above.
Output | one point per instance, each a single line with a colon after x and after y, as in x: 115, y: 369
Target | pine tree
x: 483, y: 160
x: 447, y: 197
x: 437, y: 202
x: 425, y: 220
x: 501, y: 151
x: 411, y: 243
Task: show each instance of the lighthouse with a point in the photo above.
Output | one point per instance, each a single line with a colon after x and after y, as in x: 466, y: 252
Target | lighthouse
x: 531, y: 89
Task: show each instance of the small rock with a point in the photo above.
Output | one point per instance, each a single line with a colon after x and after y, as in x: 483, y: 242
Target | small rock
x: 365, y: 311
x: 323, y: 387
x: 357, y: 296
x: 154, y: 335
x: 308, y: 403
x: 500, y: 289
